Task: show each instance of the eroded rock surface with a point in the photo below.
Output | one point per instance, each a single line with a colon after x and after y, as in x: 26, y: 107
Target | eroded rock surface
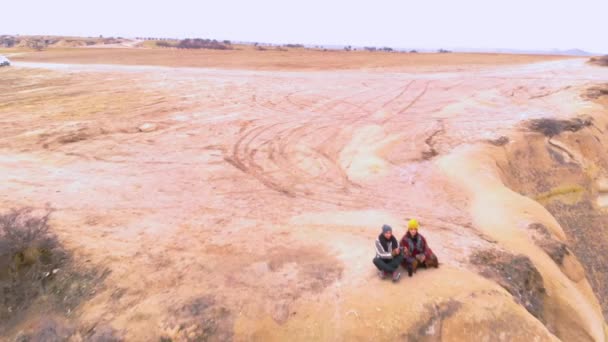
x: 249, y: 212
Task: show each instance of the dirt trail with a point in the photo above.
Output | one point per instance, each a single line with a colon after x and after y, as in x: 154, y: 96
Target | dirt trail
x: 248, y: 210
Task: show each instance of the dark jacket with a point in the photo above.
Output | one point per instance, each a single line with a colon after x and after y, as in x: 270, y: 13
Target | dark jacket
x: 415, y: 245
x: 384, y: 247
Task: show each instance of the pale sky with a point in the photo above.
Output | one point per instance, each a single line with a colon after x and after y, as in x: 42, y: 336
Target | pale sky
x: 519, y: 24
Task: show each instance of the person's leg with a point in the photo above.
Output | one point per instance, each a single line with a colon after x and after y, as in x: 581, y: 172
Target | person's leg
x: 415, y: 265
x: 382, y: 265
x: 409, y: 264
x: 407, y: 261
x: 394, y: 263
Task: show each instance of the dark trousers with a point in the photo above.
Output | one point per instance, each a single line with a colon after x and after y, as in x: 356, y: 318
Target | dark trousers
x: 388, y: 265
x: 408, y: 262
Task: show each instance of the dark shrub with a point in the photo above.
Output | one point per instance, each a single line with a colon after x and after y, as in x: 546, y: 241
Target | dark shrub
x: 29, y: 254
x: 198, y: 43
x: 553, y: 127
x: 164, y: 44
x: 35, y: 268
x: 602, y: 61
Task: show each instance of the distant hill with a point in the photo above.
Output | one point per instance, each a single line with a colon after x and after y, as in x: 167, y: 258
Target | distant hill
x: 570, y: 52
x: 7, y: 41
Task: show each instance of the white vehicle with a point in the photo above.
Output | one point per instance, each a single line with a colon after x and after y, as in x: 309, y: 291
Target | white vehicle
x: 4, y: 61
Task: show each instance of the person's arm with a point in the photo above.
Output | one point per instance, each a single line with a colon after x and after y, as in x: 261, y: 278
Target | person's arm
x: 427, y: 250
x: 381, y: 252
x: 406, y: 248
x: 425, y: 247
x: 395, y: 246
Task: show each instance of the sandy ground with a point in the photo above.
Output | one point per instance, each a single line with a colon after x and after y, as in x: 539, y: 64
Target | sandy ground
x: 258, y: 194
x: 246, y: 57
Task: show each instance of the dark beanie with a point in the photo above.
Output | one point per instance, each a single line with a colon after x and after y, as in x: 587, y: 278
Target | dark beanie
x: 386, y: 228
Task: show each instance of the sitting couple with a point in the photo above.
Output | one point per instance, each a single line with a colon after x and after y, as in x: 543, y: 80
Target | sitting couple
x: 413, y: 251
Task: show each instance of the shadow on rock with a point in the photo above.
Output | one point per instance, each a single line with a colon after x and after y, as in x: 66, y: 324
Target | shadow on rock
x: 517, y: 275
x: 557, y: 250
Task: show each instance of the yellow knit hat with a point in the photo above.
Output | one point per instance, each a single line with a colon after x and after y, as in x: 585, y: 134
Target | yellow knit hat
x: 413, y: 224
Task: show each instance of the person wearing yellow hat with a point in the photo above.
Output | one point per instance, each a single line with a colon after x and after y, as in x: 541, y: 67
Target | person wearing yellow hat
x: 416, y: 249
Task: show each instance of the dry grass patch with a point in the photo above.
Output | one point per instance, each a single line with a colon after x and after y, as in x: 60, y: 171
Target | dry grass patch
x: 516, y: 274
x: 36, y: 269
x: 601, y: 61
x: 553, y: 127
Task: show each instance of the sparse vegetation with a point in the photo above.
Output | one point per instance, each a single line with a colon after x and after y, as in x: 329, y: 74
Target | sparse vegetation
x: 294, y: 46
x: 201, y: 319
x: 596, y: 92
x: 39, y: 43
x: 501, y: 141
x: 29, y: 255
x: 198, y: 43
x: 602, y: 61
x: 516, y: 274
x: 444, y: 51
x: 557, y: 250
x: 8, y: 41
x: 164, y: 43
x: 34, y: 266
x: 36, y: 44
x: 50, y: 329
x: 560, y: 192
x: 112, y: 40
x: 553, y: 127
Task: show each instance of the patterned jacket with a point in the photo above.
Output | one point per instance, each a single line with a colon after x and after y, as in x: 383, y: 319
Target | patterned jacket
x: 417, y: 246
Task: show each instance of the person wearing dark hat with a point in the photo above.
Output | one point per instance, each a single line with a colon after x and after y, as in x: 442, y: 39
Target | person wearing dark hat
x: 388, y: 254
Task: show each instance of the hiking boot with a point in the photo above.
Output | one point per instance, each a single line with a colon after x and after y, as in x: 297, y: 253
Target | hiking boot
x: 396, y: 276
